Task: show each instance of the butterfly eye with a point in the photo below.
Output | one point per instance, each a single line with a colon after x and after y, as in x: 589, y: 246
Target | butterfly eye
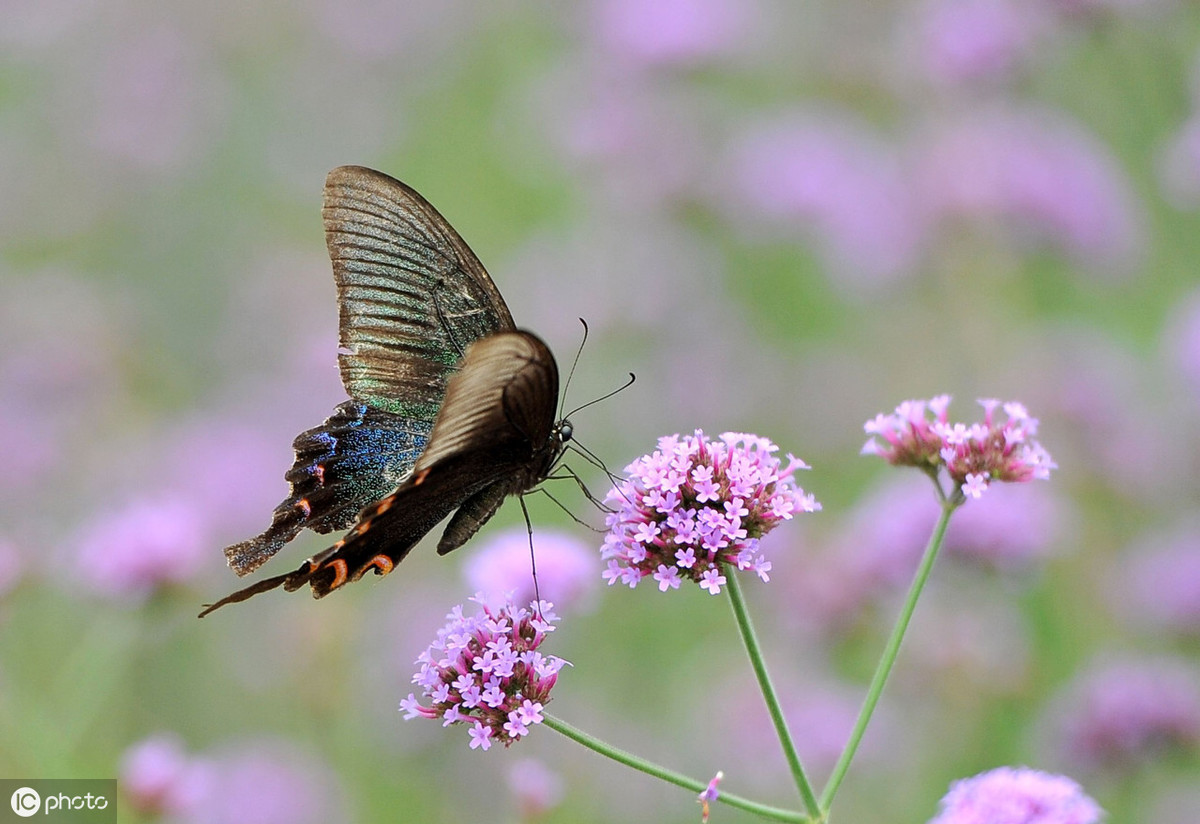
x: 565, y: 431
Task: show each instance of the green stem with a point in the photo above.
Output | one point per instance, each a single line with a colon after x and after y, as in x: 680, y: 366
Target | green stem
x: 750, y: 639
x: 678, y: 779
x: 889, y: 652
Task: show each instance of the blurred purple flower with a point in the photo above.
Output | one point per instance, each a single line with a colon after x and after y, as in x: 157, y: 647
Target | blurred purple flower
x: 1011, y: 527
x: 33, y: 445
x: 828, y: 174
x: 536, y: 788
x: 261, y: 783
x: 970, y: 40
x: 969, y: 642
x: 617, y: 250
x: 1159, y: 583
x: 641, y: 143
x: 972, y: 456
x: 670, y: 32
x: 1108, y: 412
x: 1017, y: 795
x: 230, y: 470
x: 413, y: 32
x: 1124, y: 712
x: 484, y: 670
x: 267, y: 784
x: 1179, y: 166
x: 159, y: 778
x: 154, y: 101
x: 1040, y: 173
x: 38, y: 24
x: 694, y: 505
x: 11, y: 566
x: 821, y: 716
x: 876, y: 549
x: 1101, y: 8
x: 1182, y: 339
x: 52, y: 383
x: 566, y: 572
x: 128, y: 553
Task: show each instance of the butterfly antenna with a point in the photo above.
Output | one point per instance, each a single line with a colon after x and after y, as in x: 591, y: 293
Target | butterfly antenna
x: 571, y: 374
x: 537, y: 596
x: 622, y: 388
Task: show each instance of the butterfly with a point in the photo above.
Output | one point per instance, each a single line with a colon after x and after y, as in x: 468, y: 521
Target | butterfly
x: 452, y: 408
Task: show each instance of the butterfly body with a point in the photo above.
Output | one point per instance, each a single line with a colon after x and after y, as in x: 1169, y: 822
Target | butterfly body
x: 452, y: 408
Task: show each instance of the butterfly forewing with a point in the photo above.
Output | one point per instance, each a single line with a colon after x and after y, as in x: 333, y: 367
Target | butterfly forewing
x: 412, y: 296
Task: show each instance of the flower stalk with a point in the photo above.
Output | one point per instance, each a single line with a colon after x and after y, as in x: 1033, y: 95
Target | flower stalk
x: 754, y: 651
x: 670, y: 776
x: 890, y: 651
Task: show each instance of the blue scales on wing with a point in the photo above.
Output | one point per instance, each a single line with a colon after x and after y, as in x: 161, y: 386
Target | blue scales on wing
x: 356, y: 457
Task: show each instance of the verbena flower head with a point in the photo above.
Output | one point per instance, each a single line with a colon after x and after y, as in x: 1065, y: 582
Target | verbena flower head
x: 1017, y: 795
x: 695, y: 504
x: 484, y: 670
x: 919, y: 434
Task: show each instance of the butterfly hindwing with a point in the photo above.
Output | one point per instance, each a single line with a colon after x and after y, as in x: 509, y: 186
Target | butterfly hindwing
x: 494, y: 436
x: 353, y: 459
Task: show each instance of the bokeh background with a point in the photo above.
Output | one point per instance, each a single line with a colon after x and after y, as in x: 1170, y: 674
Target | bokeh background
x: 783, y: 217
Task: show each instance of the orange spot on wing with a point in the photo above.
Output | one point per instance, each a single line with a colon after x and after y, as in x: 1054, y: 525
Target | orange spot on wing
x: 339, y: 567
x: 304, y: 506
x: 382, y: 563
x: 420, y: 477
x: 319, y: 473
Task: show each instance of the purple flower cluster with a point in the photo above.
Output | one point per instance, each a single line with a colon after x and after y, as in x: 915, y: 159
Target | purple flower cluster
x: 1159, y: 584
x: 267, y: 782
x: 566, y: 567
x: 131, y: 552
x: 696, y: 504
x: 1017, y: 795
x: 485, y: 670
x: 1126, y: 712
x: 973, y: 456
